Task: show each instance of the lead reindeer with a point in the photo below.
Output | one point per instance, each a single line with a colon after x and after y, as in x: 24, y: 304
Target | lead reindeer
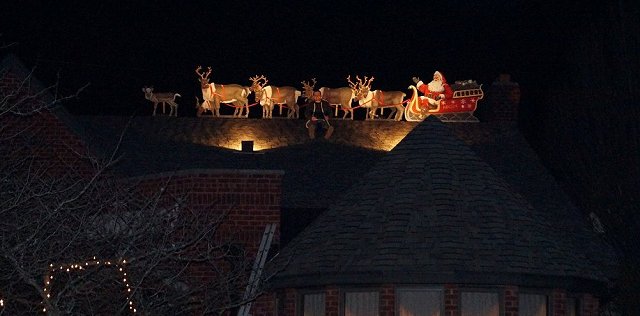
x: 378, y: 99
x: 214, y: 94
x: 340, y: 97
x: 162, y: 97
x: 268, y: 96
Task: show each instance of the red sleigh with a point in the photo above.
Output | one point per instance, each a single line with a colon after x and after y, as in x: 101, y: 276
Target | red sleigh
x: 459, y: 108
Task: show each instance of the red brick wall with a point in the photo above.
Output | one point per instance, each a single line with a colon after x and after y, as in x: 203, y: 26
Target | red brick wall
x: 503, y: 100
x: 290, y: 302
x: 511, y: 301
x: 265, y: 305
x: 39, y: 134
x: 589, y: 305
x: 387, y: 300
x: 451, y: 300
x: 559, y: 302
x: 252, y: 198
x: 332, y: 301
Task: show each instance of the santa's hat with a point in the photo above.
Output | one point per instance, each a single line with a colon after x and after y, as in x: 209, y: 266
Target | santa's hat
x: 437, y: 73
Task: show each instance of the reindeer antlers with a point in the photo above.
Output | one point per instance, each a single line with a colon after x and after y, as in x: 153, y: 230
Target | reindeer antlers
x: 368, y: 84
x: 256, y: 81
x: 307, y: 85
x: 361, y: 83
x: 353, y: 85
x: 203, y: 75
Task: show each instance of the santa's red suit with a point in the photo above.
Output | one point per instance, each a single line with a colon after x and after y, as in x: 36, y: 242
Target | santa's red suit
x: 434, y: 91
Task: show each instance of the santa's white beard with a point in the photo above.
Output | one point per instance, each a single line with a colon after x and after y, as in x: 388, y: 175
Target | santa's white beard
x: 435, y: 86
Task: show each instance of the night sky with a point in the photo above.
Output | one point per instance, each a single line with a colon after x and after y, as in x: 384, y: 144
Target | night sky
x: 577, y: 63
x: 119, y: 48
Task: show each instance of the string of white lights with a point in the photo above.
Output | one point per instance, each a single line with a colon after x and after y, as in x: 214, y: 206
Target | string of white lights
x: 70, y: 267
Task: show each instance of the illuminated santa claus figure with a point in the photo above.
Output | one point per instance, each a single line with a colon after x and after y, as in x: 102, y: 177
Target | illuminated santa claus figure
x: 434, y: 91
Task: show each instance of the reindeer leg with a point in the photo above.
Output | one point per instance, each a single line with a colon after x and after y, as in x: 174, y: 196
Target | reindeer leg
x: 241, y: 105
x: 155, y: 105
x: 400, y: 113
x: 291, y: 105
x: 392, y: 114
x: 241, y: 109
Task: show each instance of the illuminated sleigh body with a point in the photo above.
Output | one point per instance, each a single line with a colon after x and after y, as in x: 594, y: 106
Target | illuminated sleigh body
x: 459, y: 108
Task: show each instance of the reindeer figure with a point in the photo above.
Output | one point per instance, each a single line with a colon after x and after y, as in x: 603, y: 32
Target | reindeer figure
x: 268, y: 96
x: 340, y: 96
x: 308, y: 88
x: 378, y: 99
x: 213, y: 94
x: 162, y: 97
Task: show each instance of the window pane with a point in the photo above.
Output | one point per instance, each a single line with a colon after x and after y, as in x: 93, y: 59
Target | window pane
x: 532, y: 305
x: 313, y: 305
x: 416, y: 302
x: 480, y: 304
x: 572, y: 307
x: 361, y: 304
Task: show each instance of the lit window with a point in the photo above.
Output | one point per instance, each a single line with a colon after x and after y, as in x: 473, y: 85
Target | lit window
x: 532, y: 304
x: 419, y: 302
x: 479, y: 304
x: 572, y: 307
x: 361, y: 303
x: 313, y: 304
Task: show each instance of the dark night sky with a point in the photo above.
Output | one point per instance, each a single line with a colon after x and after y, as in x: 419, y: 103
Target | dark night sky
x: 118, y: 48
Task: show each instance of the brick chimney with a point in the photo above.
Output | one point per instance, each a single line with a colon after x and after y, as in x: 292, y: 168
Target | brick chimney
x: 503, y: 99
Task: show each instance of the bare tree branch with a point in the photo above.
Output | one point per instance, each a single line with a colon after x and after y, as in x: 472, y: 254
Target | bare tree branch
x: 60, y: 210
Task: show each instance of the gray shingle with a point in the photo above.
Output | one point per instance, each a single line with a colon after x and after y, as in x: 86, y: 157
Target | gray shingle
x: 445, y: 212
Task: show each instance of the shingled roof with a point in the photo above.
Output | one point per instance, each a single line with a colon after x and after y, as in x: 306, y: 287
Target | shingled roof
x: 316, y: 172
x: 433, y: 211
